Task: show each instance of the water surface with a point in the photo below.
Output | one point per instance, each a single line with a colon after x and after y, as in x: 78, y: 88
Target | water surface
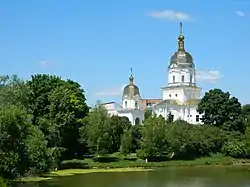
x: 170, y: 177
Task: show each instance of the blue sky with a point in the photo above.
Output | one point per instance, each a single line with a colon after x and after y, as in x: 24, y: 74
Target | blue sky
x: 96, y: 42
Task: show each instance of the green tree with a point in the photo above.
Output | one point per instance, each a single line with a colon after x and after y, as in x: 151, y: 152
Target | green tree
x: 136, y: 136
x: 22, y: 146
x: 188, y: 141
x: 58, y: 108
x: 246, y: 112
x: 153, y: 142
x: 119, y: 126
x: 126, y: 142
x: 148, y: 113
x: 221, y: 110
x: 97, y: 132
x: 67, y: 109
x: 13, y: 91
x: 170, y: 117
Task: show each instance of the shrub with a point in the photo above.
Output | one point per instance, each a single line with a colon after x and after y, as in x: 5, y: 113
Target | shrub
x: 3, y: 183
x: 236, y: 149
x: 73, y: 164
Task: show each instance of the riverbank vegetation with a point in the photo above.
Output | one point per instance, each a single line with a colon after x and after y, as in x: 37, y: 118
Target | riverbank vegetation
x: 45, y: 124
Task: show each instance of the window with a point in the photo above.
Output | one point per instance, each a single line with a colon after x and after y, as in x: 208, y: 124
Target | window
x: 169, y: 95
x: 173, y: 79
x: 126, y: 104
x: 137, y: 121
x: 136, y: 104
x: 176, y: 95
x: 191, y: 78
x: 182, y: 78
x: 197, y: 118
x: 149, y: 104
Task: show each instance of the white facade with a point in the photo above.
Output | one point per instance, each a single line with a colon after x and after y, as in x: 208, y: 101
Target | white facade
x: 130, y: 107
x: 181, y: 96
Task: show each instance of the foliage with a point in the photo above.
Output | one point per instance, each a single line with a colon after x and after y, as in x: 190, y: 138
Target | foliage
x: 3, y: 183
x: 148, y: 113
x: 22, y: 145
x: 13, y: 91
x: 221, y: 110
x: 126, y: 142
x: 170, y: 118
x: 153, y: 142
x: 46, y: 120
x: 246, y: 112
x: 58, y: 108
x: 97, y: 131
x: 119, y: 125
x: 38, y: 120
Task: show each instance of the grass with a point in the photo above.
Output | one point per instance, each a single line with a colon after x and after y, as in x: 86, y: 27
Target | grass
x: 117, y: 163
x: 70, y: 172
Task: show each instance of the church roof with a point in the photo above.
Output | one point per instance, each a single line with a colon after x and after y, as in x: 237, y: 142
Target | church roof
x: 131, y: 89
x: 175, y: 102
x: 181, y: 57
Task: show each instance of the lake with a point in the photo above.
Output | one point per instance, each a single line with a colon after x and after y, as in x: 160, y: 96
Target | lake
x: 169, y: 177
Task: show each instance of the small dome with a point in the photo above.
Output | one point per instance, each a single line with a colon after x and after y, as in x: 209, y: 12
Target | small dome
x: 182, y: 59
x: 131, y: 90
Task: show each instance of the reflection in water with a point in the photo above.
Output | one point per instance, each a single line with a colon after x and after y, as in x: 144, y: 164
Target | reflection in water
x: 179, y: 177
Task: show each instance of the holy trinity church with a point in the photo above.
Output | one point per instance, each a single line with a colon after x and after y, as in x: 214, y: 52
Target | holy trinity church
x: 179, y: 98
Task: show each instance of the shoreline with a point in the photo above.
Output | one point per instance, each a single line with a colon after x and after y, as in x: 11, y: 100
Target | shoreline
x: 70, y: 172
x: 101, y: 168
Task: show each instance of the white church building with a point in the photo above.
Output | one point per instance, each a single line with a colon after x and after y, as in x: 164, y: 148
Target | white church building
x: 179, y: 98
x: 131, y: 105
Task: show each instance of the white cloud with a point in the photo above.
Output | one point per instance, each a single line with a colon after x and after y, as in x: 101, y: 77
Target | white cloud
x: 170, y: 15
x: 115, y: 91
x: 212, y: 76
x: 240, y: 13
x: 45, y: 63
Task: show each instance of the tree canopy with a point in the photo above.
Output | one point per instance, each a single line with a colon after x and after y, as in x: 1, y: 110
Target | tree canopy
x: 221, y: 110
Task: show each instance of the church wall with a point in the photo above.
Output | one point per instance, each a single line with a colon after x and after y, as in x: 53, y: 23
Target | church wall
x: 183, y: 76
x: 132, y: 115
x: 179, y: 112
x: 129, y: 103
x: 175, y: 93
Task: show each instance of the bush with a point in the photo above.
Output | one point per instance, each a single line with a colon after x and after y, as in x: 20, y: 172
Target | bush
x: 3, y: 183
x: 73, y: 164
x: 103, y: 159
x: 236, y: 149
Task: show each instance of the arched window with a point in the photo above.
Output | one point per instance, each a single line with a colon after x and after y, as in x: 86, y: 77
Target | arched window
x: 136, y: 104
x: 126, y: 104
x: 191, y: 78
x: 137, y: 121
x: 182, y: 78
x: 173, y: 79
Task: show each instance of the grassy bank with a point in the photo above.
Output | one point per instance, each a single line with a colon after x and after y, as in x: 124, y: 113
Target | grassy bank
x: 117, y: 164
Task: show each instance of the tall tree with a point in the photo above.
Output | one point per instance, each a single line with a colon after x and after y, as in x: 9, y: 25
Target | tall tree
x: 119, y: 125
x: 67, y: 109
x: 58, y: 108
x: 22, y: 146
x: 126, y: 142
x: 97, y: 132
x: 222, y: 110
x: 153, y: 142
